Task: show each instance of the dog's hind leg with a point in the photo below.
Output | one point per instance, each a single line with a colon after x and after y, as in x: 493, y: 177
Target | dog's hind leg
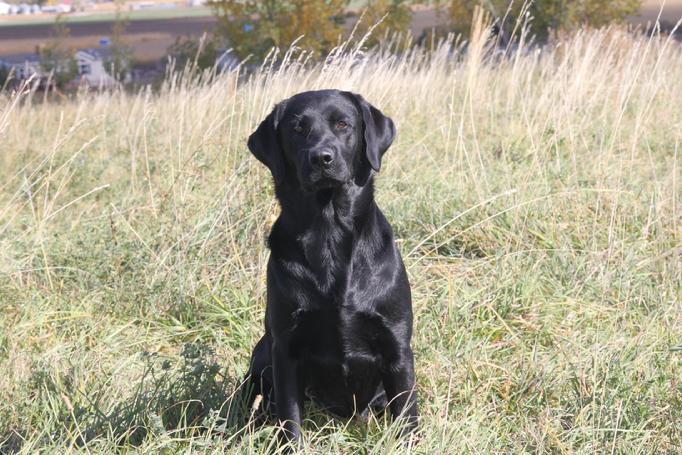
x: 377, y: 405
x: 259, y: 378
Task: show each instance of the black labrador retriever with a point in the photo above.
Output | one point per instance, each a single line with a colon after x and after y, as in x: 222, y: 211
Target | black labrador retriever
x: 338, y: 320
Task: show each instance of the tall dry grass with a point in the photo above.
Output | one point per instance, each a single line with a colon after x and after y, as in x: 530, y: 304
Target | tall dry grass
x: 535, y: 194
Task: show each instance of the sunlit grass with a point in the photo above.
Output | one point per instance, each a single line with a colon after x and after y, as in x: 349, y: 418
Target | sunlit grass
x: 536, y: 199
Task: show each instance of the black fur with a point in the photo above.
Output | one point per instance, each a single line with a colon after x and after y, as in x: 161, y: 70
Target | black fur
x: 338, y: 320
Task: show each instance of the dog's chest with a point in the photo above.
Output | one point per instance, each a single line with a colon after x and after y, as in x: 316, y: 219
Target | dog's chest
x: 336, y: 336
x: 327, y: 247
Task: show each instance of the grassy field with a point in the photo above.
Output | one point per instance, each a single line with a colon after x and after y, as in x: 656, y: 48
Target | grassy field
x: 536, y: 200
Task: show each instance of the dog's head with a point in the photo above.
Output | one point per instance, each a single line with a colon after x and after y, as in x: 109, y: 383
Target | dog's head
x: 322, y: 139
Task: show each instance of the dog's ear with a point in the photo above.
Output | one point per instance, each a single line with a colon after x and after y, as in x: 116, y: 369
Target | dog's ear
x: 379, y: 131
x: 264, y: 143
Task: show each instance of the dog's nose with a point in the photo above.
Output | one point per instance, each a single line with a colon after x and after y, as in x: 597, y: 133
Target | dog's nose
x: 322, y: 158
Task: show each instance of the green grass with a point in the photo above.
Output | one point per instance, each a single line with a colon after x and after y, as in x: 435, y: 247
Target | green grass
x: 536, y: 201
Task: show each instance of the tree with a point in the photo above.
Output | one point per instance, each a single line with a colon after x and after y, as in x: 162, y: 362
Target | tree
x: 252, y: 27
x: 396, y: 17
x: 58, y: 59
x: 201, y: 53
x: 547, y: 15
x: 567, y: 15
x: 120, y: 60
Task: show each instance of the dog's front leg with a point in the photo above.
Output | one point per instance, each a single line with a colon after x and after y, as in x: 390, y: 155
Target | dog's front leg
x: 288, y: 395
x: 399, y: 383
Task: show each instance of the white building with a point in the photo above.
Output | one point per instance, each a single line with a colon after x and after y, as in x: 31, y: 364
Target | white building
x: 56, y: 9
x: 5, y: 8
x: 90, y: 62
x: 91, y: 68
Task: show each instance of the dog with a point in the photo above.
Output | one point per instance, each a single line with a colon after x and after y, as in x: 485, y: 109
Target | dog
x: 338, y: 319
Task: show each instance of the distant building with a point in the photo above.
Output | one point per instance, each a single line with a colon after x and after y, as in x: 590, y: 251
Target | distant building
x: 56, y: 9
x: 91, y: 68
x: 22, y: 65
x: 90, y: 62
x: 26, y: 8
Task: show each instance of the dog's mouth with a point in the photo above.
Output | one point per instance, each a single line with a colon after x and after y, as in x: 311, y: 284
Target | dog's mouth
x: 325, y: 182
x: 322, y: 181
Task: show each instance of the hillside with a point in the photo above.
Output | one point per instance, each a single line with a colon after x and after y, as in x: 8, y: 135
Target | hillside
x: 536, y: 199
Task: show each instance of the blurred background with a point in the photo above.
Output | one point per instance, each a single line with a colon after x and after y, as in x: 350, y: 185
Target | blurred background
x: 67, y: 43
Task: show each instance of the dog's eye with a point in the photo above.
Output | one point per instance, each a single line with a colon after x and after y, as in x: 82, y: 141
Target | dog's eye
x: 341, y: 125
x: 298, y: 128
